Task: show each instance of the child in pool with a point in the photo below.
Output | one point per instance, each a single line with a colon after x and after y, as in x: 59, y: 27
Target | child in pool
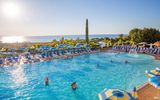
x: 74, y: 86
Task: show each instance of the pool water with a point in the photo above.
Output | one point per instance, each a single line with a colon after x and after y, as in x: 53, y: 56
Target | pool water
x: 92, y: 72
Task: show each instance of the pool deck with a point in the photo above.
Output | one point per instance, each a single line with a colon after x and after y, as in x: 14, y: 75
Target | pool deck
x: 157, y: 57
x: 148, y: 92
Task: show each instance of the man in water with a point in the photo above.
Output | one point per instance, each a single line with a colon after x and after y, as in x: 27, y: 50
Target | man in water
x: 46, y: 81
x: 97, y: 65
x: 111, y: 61
x: 126, y: 61
x: 74, y: 86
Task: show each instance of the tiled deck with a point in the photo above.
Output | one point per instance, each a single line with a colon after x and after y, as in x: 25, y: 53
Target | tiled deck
x: 148, y: 92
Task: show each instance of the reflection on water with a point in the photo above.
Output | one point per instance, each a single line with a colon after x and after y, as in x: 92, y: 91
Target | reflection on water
x: 18, y: 75
x: 12, y: 39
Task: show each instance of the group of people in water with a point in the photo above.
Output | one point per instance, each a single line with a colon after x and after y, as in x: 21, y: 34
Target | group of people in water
x: 126, y: 61
x: 73, y: 85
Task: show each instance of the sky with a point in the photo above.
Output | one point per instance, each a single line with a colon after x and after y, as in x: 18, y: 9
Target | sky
x: 66, y: 17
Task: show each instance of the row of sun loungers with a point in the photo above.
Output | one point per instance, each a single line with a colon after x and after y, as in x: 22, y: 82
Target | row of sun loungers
x: 28, y: 57
x: 127, y: 48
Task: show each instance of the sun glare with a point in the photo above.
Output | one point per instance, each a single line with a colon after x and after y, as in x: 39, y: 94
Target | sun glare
x: 11, y: 9
x: 12, y: 39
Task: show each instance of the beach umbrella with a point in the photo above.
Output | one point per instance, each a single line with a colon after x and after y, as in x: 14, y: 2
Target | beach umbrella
x: 70, y: 47
x: 157, y: 44
x: 85, y: 45
x: 102, y: 44
x: 45, y: 48
x: 154, y: 72
x: 61, y: 46
x: 26, y: 53
x: 7, y: 53
x: 114, y: 94
x: 79, y: 45
x: 22, y: 49
x: 151, y: 46
x: 52, y: 49
x: 142, y: 43
x: 11, y: 49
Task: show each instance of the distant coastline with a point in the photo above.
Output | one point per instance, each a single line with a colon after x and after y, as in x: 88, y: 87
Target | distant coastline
x: 58, y: 37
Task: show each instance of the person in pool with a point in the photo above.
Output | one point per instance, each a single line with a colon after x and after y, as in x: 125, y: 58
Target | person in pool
x: 46, y: 81
x: 74, y: 86
x: 97, y: 65
x: 126, y: 61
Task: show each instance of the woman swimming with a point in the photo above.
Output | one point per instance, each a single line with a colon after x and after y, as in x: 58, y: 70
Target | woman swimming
x: 46, y: 81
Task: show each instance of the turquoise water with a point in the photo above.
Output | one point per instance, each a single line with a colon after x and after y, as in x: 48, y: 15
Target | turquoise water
x: 92, y: 73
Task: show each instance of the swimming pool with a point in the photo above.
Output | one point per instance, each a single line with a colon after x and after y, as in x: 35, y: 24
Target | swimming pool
x: 92, y: 72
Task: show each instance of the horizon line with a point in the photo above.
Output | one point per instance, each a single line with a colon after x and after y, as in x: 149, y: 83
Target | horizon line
x: 65, y: 34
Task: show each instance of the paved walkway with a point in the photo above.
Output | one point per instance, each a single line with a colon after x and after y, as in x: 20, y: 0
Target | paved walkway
x: 148, y: 92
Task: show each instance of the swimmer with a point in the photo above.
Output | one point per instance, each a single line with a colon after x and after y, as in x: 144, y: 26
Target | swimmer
x: 111, y: 61
x: 46, y: 81
x: 126, y: 61
x: 74, y: 86
x: 97, y: 65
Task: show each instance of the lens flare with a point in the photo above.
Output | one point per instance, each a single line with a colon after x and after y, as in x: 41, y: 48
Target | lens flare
x: 11, y: 9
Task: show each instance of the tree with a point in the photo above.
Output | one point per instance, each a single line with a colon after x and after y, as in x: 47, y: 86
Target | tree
x: 62, y: 41
x: 87, y: 32
x: 120, y: 42
x: 120, y: 36
x: 148, y: 35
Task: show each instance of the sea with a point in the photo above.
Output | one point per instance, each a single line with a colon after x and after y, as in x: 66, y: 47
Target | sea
x: 58, y: 37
